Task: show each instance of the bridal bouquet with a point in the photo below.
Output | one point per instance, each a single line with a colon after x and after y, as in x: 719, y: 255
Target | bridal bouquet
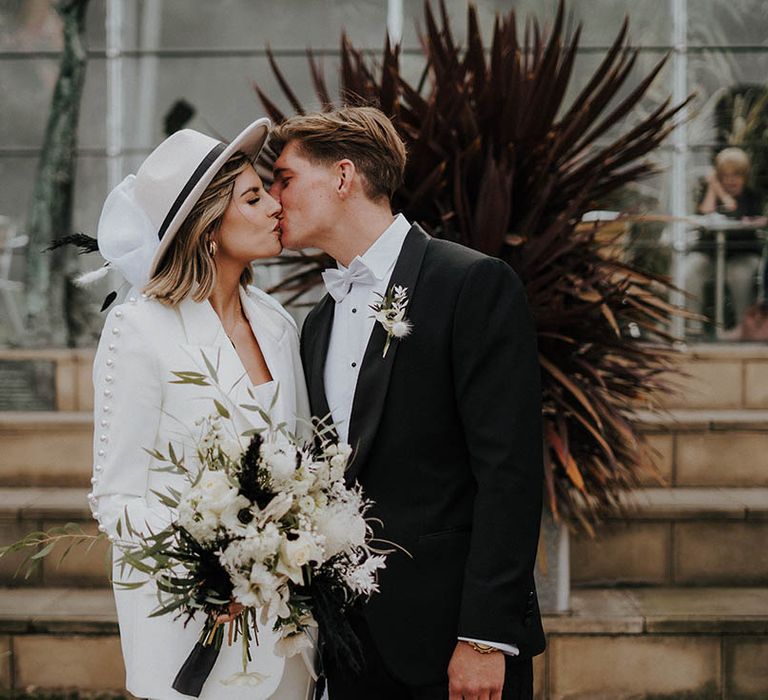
x: 267, y: 531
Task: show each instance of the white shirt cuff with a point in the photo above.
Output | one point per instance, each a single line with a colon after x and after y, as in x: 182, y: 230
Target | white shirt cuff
x: 509, y: 649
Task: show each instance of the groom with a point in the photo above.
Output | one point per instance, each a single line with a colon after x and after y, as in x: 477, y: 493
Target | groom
x: 444, y: 421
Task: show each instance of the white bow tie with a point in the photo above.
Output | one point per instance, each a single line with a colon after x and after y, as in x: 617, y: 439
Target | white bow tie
x: 339, y: 282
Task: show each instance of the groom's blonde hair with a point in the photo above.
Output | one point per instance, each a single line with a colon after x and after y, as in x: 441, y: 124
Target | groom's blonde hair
x: 363, y: 135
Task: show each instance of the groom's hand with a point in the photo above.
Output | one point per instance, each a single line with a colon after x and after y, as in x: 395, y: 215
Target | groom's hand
x: 475, y: 676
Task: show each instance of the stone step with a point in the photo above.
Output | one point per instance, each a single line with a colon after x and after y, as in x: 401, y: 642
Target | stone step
x: 46, y: 448
x: 46, y: 379
x: 696, y: 447
x: 614, y: 643
x: 693, y: 447
x: 25, y: 510
x: 720, y: 376
x: 679, y: 536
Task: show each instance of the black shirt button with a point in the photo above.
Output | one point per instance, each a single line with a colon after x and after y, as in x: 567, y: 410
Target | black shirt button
x: 354, y: 311
x: 354, y: 364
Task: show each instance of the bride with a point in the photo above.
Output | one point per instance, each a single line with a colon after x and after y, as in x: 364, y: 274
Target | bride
x: 184, y: 230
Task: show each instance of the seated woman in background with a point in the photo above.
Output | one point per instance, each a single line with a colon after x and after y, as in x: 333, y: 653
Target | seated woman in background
x: 727, y: 193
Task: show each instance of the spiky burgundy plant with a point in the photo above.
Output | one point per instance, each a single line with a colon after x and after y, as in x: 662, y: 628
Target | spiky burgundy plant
x: 499, y: 163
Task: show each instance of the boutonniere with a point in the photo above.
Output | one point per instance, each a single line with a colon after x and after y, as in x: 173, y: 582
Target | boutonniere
x: 390, y: 313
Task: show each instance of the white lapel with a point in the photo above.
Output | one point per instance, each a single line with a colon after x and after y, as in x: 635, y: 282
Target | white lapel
x: 205, y: 336
x: 273, y: 337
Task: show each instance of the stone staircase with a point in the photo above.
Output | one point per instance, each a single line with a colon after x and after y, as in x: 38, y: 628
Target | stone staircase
x: 668, y: 601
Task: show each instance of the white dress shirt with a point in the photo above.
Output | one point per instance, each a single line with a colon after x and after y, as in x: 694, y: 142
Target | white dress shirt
x: 352, y: 326
x: 353, y: 323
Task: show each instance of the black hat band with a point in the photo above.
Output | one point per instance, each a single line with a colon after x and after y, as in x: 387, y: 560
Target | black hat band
x: 201, y: 169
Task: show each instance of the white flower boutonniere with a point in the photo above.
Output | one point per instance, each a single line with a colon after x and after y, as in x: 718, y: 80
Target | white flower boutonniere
x: 390, y: 313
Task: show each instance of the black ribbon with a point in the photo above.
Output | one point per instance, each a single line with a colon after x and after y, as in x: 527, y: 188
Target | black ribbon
x: 195, y: 670
x: 201, y: 169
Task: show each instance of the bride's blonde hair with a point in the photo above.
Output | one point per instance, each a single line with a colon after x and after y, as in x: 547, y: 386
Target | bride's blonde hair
x: 188, y: 266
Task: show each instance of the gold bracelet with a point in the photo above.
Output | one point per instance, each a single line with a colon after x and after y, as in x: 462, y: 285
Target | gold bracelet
x: 482, y: 648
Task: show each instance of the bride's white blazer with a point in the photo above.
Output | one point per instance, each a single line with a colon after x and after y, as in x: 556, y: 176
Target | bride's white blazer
x: 138, y: 406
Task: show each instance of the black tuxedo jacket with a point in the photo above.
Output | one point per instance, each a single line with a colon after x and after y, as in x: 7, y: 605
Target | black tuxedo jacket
x: 448, y: 443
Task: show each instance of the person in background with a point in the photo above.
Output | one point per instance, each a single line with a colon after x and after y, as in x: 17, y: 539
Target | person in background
x: 727, y: 193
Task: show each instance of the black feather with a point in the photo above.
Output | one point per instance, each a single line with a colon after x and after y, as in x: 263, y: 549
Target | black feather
x: 255, y: 483
x: 86, y: 243
x: 330, y: 607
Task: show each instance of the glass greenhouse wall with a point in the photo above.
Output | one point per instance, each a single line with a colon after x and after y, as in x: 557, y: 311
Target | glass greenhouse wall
x: 145, y: 56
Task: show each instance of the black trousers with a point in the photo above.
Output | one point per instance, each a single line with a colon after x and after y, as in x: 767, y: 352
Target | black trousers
x: 376, y: 682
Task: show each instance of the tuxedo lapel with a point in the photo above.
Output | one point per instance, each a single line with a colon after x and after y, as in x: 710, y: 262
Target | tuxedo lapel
x: 320, y: 336
x: 375, y: 371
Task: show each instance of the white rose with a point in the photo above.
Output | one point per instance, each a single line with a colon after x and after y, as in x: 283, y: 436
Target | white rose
x: 215, y: 491
x: 202, y: 524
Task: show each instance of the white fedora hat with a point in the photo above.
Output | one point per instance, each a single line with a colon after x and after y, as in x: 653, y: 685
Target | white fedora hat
x: 142, y: 215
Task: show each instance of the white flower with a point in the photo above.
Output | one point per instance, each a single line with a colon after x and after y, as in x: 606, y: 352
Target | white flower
x: 307, y: 504
x: 265, y: 582
x: 381, y: 317
x: 400, y: 329
x: 276, y: 508
x: 230, y: 515
x: 297, y: 553
x: 390, y: 313
x: 232, y: 448
x: 243, y: 592
x: 292, y: 644
x: 202, y: 525
x: 361, y: 578
x: 342, y: 526
x: 215, y: 492
x: 300, y: 486
x: 339, y: 461
x: 280, y: 458
x: 277, y: 606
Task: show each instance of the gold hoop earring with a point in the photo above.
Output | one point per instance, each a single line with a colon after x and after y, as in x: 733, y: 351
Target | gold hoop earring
x: 212, y: 247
